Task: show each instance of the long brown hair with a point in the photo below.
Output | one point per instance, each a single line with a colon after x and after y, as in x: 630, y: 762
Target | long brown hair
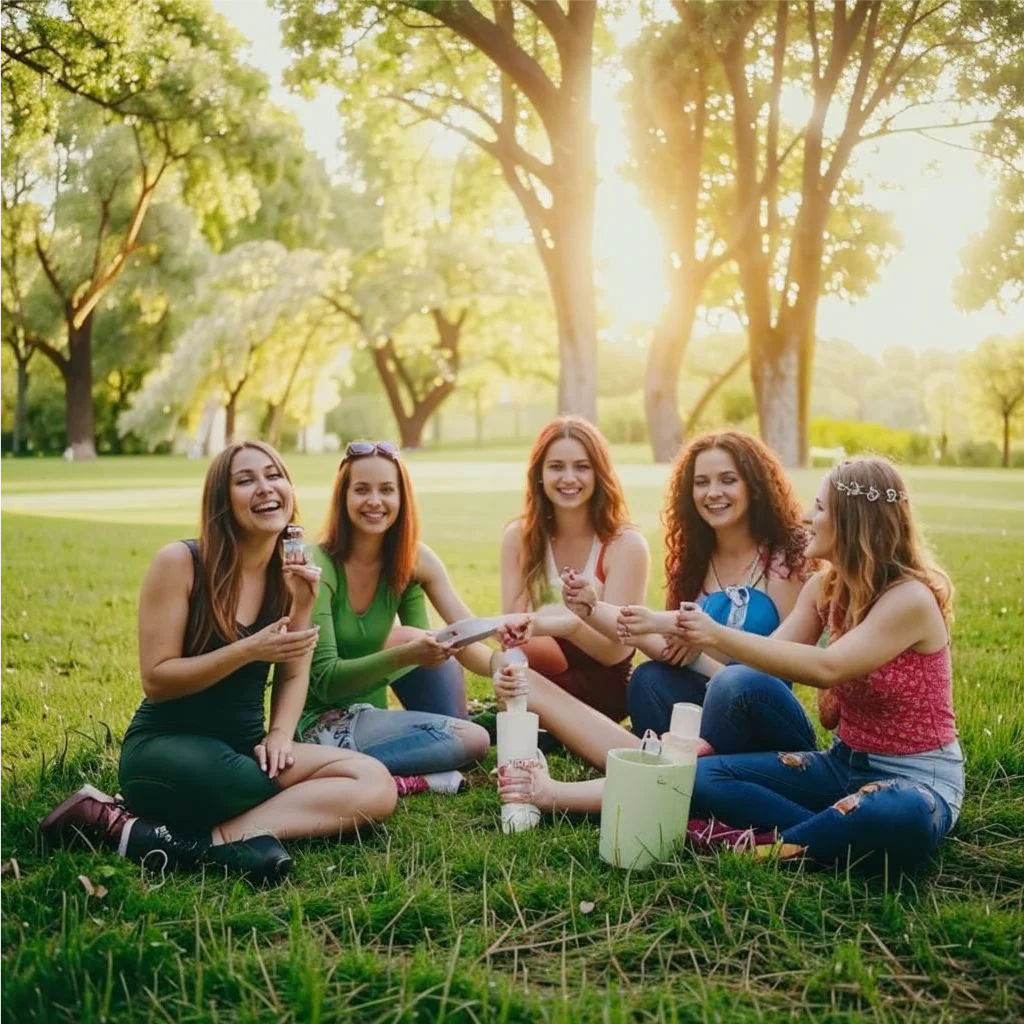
x: 221, y: 559
x: 607, y: 508
x: 774, y: 514
x: 877, y: 544
x: 401, y: 542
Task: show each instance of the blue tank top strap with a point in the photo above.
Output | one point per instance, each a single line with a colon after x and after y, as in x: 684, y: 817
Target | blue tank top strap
x: 744, y: 608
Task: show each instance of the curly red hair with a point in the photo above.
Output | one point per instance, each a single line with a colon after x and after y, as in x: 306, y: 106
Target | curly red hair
x: 775, y: 515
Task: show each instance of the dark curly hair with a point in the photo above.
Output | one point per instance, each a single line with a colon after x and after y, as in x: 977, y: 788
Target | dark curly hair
x: 775, y: 516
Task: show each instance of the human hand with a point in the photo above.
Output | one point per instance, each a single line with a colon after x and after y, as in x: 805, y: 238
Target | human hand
x: 636, y: 620
x: 516, y: 631
x: 274, y: 643
x: 274, y: 754
x: 695, y: 627
x: 676, y: 651
x: 526, y: 782
x: 578, y: 593
x: 303, y: 581
x: 509, y: 682
x: 426, y: 651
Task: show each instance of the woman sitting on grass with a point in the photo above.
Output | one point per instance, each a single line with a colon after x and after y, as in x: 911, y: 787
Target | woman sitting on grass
x: 575, y: 516
x: 203, y: 780
x: 733, y: 541
x: 892, y: 783
x: 375, y: 569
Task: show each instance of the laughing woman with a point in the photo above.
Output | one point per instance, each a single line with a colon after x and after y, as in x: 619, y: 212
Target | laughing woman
x: 575, y: 518
x: 203, y: 780
x: 376, y: 570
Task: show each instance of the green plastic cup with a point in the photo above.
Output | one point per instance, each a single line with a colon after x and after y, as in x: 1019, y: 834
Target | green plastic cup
x: 645, y: 807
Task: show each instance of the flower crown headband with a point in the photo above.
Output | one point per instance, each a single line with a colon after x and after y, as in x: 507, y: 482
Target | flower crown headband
x: 856, y: 490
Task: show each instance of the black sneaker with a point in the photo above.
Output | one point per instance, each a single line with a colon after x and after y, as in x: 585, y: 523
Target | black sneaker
x: 159, y: 847
x: 261, y: 859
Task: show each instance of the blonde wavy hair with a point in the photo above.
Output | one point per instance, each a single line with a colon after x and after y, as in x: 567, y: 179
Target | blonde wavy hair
x: 877, y: 544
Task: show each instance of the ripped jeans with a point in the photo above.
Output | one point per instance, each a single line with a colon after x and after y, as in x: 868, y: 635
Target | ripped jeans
x: 840, y: 802
x: 405, y: 742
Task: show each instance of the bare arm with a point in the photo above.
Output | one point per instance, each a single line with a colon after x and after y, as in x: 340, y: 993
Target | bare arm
x: 513, y: 593
x: 163, y: 615
x: 628, y: 566
x: 905, y: 617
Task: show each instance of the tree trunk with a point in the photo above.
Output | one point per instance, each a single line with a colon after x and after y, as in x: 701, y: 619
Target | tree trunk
x: 21, y: 406
x: 81, y: 429
x: 478, y: 415
x: 230, y: 409
x: 710, y: 391
x: 570, y: 268
x: 391, y: 370
x: 781, y: 368
x: 664, y: 363
x: 1006, y: 440
x: 275, y: 424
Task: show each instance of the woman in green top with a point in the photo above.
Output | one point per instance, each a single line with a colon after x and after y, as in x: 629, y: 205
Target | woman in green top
x: 376, y: 570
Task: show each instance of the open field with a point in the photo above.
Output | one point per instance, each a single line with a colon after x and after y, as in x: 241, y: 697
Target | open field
x: 437, y: 916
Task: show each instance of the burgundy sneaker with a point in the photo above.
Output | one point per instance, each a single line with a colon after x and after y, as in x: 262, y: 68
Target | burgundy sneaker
x: 88, y: 814
x: 706, y: 834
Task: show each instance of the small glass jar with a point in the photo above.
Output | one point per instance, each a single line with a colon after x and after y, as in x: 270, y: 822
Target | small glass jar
x: 294, y: 545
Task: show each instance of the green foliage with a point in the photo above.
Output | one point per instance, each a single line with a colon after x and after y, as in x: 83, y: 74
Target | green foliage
x: 854, y: 437
x: 436, y: 916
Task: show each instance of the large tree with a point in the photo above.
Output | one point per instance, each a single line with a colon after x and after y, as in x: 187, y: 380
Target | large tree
x: 160, y: 86
x: 259, y: 314
x: 431, y: 284
x: 870, y: 69
x: 515, y: 78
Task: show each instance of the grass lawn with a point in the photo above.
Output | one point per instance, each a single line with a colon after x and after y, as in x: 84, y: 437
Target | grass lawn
x: 437, y: 916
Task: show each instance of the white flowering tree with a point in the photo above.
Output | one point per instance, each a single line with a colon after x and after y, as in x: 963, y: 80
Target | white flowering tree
x: 259, y: 318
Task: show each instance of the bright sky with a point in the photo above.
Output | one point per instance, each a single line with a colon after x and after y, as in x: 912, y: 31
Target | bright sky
x: 938, y: 195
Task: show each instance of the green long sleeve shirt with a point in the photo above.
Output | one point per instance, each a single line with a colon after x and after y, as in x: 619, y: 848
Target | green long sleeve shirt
x: 350, y: 663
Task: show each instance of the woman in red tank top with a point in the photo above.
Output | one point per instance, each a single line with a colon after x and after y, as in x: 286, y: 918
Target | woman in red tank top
x: 575, y: 517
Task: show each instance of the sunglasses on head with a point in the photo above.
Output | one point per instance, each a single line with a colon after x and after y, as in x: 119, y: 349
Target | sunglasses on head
x: 357, y: 449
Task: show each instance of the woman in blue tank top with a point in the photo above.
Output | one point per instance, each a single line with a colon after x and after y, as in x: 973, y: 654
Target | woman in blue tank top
x: 734, y: 543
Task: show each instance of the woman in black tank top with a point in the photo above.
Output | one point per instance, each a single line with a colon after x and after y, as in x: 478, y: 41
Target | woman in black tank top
x: 214, y: 616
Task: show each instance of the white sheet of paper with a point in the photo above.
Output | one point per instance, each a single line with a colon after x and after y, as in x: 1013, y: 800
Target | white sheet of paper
x: 468, y: 631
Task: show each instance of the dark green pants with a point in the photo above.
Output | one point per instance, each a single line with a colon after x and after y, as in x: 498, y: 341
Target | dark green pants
x: 192, y: 782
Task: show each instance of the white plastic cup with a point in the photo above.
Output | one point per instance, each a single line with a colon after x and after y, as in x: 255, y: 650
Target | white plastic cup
x: 686, y: 721
x: 516, y: 660
x: 679, y: 749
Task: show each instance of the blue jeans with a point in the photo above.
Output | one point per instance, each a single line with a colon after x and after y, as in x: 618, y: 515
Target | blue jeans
x: 418, y: 741
x: 743, y: 709
x: 835, y: 803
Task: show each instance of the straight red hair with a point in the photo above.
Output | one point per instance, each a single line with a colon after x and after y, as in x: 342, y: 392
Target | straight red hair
x: 607, y: 509
x: 401, y: 542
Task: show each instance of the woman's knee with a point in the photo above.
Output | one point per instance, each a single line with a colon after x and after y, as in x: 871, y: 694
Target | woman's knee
x: 733, y: 683
x: 377, y: 793
x: 474, y: 739
x: 545, y: 656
